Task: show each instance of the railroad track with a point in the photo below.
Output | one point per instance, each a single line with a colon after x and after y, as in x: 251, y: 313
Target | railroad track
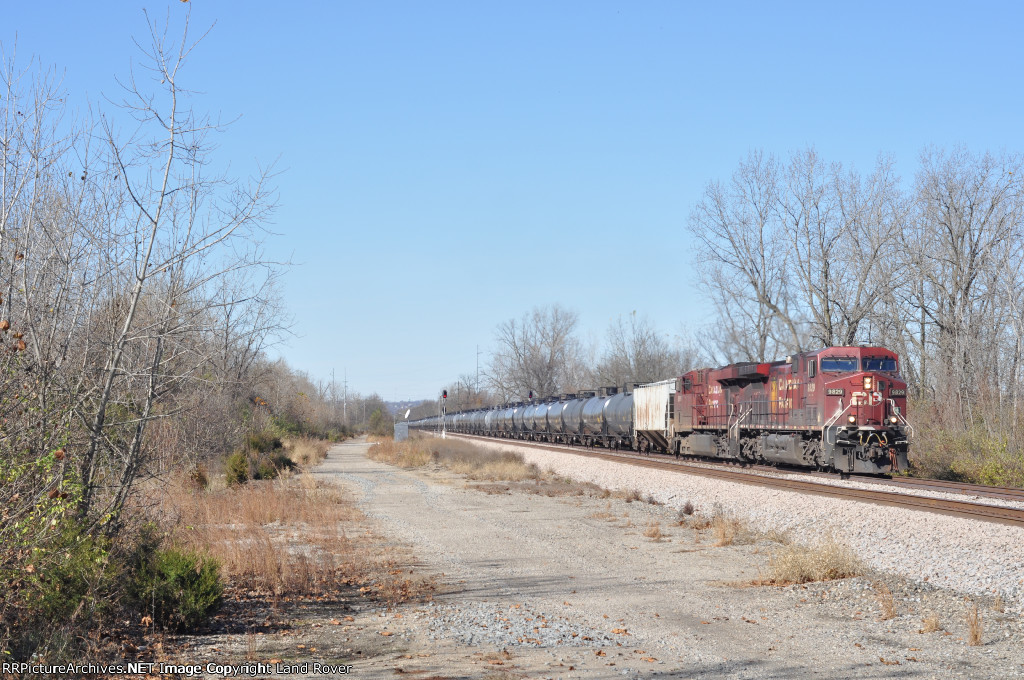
x: 980, y: 490
x: 954, y: 508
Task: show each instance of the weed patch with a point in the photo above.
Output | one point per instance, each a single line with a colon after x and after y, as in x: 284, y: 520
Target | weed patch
x: 653, y: 531
x: 795, y: 563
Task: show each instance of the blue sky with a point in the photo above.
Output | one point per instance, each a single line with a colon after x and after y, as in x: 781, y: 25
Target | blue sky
x: 448, y: 166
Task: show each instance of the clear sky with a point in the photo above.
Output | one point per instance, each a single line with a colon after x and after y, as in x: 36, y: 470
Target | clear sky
x: 448, y: 166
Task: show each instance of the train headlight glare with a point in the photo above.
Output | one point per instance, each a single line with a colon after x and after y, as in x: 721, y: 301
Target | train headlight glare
x: 851, y: 419
x: 867, y: 382
x: 893, y: 419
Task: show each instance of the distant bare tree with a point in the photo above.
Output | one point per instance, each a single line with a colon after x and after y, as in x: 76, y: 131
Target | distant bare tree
x: 636, y: 352
x: 539, y: 352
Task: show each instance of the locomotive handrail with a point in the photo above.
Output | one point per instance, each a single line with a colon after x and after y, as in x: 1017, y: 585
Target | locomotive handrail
x: 832, y: 421
x: 896, y: 412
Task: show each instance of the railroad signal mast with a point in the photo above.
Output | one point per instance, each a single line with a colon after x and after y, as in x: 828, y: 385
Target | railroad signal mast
x: 444, y: 411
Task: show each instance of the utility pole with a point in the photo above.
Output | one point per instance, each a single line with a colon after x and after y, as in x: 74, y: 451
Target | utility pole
x: 334, y: 398
x: 478, y: 369
x: 345, y: 406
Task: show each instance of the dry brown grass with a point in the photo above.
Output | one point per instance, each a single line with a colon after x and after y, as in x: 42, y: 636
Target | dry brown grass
x: 974, y: 625
x: 886, y: 602
x: 630, y: 495
x: 482, y: 465
x: 795, y: 563
x: 653, y: 531
x: 458, y: 456
x: 408, y: 454
x: 605, y: 514
x: 295, y: 537
x: 727, y: 530
x: 930, y: 623
x: 306, y: 451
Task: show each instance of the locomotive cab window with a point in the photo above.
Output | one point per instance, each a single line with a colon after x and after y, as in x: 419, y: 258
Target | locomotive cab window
x: 812, y: 368
x: 839, y: 364
x: 879, y: 364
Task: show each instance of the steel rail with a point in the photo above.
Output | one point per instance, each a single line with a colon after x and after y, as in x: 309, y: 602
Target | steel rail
x: 963, y: 509
x: 946, y: 486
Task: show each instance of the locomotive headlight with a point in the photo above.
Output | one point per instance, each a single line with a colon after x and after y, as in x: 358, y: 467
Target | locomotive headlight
x: 867, y: 382
x: 893, y: 419
x: 851, y: 419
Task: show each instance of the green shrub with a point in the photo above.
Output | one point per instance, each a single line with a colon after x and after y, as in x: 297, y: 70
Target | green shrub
x: 263, y: 442
x: 178, y: 588
x: 236, y: 468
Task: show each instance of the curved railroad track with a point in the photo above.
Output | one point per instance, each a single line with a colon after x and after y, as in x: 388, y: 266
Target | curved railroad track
x: 954, y: 508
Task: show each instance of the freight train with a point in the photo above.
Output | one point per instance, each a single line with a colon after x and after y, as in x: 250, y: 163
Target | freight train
x: 842, y: 409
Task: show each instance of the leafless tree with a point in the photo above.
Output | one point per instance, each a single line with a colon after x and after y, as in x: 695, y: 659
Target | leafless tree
x: 635, y: 352
x: 175, y: 234
x: 743, y: 250
x: 539, y: 352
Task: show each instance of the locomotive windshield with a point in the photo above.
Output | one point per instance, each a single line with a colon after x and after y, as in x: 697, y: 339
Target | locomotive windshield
x: 843, y: 364
x: 879, y: 364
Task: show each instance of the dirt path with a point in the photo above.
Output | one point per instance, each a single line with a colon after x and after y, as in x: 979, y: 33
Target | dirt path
x: 570, y: 587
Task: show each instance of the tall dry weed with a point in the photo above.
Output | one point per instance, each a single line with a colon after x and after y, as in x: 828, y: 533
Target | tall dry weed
x: 727, y: 530
x: 886, y: 602
x: 974, y: 625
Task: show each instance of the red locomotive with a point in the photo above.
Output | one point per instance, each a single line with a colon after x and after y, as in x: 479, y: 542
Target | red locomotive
x: 839, y: 408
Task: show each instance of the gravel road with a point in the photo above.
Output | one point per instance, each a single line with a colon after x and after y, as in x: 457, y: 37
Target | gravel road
x: 569, y: 587
x: 969, y: 556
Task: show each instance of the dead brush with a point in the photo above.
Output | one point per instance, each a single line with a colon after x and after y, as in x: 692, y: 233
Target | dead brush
x: 974, y: 626
x: 306, y: 451
x: 653, y: 531
x: 795, y: 564
x: 886, y: 602
x: 727, y: 530
x: 253, y: 646
x: 605, y: 514
x: 287, y: 538
x: 631, y: 495
x: 408, y: 454
x: 930, y: 623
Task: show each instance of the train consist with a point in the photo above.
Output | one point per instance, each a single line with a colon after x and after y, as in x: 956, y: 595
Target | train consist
x: 841, y: 409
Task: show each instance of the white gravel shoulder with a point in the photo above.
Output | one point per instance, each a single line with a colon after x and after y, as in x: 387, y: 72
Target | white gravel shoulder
x: 969, y: 556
